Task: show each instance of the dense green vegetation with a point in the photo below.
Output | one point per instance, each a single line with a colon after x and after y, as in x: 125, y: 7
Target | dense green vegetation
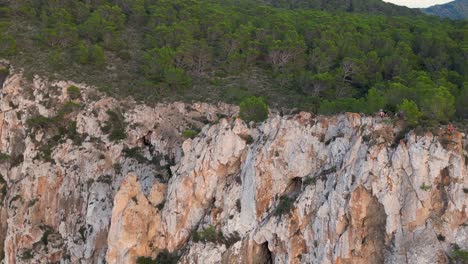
x: 253, y: 109
x: 164, y: 257
x: 326, y: 62
x: 360, y: 6
x: 457, y: 9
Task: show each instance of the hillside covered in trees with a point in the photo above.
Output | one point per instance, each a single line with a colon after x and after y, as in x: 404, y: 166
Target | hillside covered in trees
x: 457, y: 9
x: 363, y: 56
x: 355, y: 6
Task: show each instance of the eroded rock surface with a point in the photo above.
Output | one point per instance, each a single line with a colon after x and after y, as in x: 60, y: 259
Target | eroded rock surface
x: 294, y: 189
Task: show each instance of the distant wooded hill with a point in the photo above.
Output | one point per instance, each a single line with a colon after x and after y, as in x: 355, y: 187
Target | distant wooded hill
x: 455, y: 10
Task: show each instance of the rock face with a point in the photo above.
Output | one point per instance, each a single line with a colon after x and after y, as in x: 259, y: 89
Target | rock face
x: 89, y: 179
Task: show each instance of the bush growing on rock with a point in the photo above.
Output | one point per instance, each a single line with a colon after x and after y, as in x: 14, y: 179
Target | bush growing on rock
x: 190, y: 133
x: 145, y: 260
x: 460, y: 254
x: 73, y: 92
x: 285, y: 205
x: 253, y: 109
x: 208, y: 234
x: 411, y: 111
x: 115, y: 125
x: 164, y: 257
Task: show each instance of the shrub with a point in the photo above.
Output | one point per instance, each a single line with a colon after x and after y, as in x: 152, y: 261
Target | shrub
x: 67, y: 108
x: 4, y: 157
x: 247, y: 138
x: 342, y: 105
x: 309, y: 181
x: 366, y: 138
x: 411, y: 112
x: 166, y: 257
x: 425, y: 187
x: 3, y: 189
x: 4, y: 72
x: 190, y: 133
x: 134, y: 153
x: 39, y: 122
x: 460, y: 254
x: 117, y: 168
x: 177, y: 79
x: 460, y: 104
x: 440, y: 106
x: 208, y: 234
x: 145, y: 260
x: 7, y: 45
x: 45, y: 235
x: 73, y: 92
x: 285, y: 205
x: 235, y: 94
x: 253, y: 109
x: 115, y: 126
x: 96, y: 55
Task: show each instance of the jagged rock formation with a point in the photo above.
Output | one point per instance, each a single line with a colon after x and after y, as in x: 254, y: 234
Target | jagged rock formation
x: 294, y: 189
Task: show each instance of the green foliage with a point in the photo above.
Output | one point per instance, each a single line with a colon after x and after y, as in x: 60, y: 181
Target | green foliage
x: 68, y: 108
x: 342, y: 105
x: 253, y: 109
x: 4, y: 72
x: 3, y: 189
x: 460, y: 254
x: 45, y: 235
x: 4, y: 157
x: 115, y: 125
x: 56, y: 128
x: 375, y: 101
x: 329, y: 61
x: 425, y: 187
x: 7, y: 45
x: 190, y: 133
x: 410, y: 111
x: 39, y: 122
x: 440, y: 106
x: 135, y: 153
x: 235, y: 95
x: 285, y: 205
x: 73, y: 92
x: 145, y: 260
x: 309, y: 181
x: 96, y: 55
x: 166, y: 257
x: 117, y: 168
x: 461, y: 103
x: 360, y: 6
x: 80, y: 53
x: 209, y: 234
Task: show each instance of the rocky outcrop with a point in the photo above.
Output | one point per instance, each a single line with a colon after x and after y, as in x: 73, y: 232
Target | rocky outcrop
x: 91, y: 179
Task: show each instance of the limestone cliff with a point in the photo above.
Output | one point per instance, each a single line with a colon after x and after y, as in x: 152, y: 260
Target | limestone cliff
x: 89, y: 179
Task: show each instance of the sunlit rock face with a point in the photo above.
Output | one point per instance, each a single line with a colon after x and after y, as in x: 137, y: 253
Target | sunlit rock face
x: 293, y: 189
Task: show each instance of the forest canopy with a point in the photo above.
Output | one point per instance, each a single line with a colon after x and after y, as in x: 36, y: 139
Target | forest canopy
x: 292, y: 55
